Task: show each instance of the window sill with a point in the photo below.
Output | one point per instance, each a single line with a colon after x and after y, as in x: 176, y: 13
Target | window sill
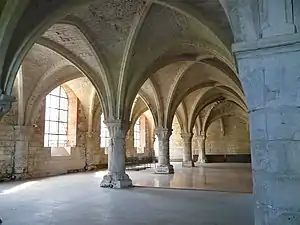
x: 61, y: 151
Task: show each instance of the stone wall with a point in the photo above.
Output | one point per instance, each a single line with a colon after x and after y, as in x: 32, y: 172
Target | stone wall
x: 146, y: 139
x: 176, y: 142
x: 96, y: 156
x: 42, y: 163
x: 232, y: 138
x: 229, y: 138
x: 7, y: 149
x: 9, y: 136
x: 23, y: 155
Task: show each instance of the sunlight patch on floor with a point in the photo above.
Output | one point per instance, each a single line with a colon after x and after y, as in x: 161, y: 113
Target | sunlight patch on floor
x: 18, y: 188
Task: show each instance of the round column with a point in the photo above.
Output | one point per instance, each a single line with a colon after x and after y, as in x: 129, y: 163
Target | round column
x: 187, y: 150
x: 116, y: 177
x: 164, y: 166
x: 202, y: 155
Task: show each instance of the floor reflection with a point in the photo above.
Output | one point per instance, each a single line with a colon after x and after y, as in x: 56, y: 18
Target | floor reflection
x: 217, y: 177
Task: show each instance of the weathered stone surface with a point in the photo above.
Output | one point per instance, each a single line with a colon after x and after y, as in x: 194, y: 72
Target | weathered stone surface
x: 116, y: 177
x: 164, y: 169
x: 202, y: 157
x: 116, y: 181
x: 228, y: 135
x: 274, y: 128
x: 163, y: 135
x: 5, y: 103
x: 119, y: 44
x: 187, y: 151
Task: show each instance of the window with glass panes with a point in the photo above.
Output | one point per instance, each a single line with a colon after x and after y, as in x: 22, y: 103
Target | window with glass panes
x: 56, y: 118
x: 137, y: 134
x: 104, y: 134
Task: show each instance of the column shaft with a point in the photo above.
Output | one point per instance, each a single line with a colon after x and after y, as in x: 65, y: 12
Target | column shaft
x: 202, y: 155
x: 116, y: 177
x: 187, y: 151
x: 164, y: 165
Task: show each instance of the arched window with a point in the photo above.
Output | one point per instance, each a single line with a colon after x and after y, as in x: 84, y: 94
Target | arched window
x: 137, y: 134
x: 56, y: 118
x: 104, y: 134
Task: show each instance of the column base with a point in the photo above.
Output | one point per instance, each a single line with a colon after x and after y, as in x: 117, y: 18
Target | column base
x: 91, y: 167
x: 164, y: 169
x: 188, y: 164
x: 201, y: 162
x: 116, y: 181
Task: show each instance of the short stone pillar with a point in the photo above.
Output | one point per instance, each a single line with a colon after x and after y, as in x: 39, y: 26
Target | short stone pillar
x: 187, y: 151
x: 164, y: 166
x: 202, y: 155
x: 116, y: 177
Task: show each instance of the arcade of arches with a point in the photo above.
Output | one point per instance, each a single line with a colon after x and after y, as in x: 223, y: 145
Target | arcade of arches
x: 89, y: 85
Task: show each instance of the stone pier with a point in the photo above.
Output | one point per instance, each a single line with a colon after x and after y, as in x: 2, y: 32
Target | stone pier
x: 164, y: 166
x: 116, y: 177
x: 187, y: 151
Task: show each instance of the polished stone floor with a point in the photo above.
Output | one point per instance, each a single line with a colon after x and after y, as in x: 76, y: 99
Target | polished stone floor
x: 231, y: 177
x: 77, y: 199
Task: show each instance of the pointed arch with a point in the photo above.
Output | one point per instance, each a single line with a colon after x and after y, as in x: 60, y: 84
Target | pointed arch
x: 82, y: 66
x: 89, y: 39
x: 24, y: 37
x: 137, y: 24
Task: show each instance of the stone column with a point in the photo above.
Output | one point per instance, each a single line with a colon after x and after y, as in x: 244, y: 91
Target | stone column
x: 202, y: 155
x: 269, y: 71
x: 164, y: 166
x: 116, y: 177
x: 187, y: 151
x: 151, y: 146
x: 132, y: 150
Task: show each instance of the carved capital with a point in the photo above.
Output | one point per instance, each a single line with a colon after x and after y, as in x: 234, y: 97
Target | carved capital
x: 5, y: 103
x: 163, y: 133
x: 201, y: 137
x: 116, y: 128
x: 187, y: 137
